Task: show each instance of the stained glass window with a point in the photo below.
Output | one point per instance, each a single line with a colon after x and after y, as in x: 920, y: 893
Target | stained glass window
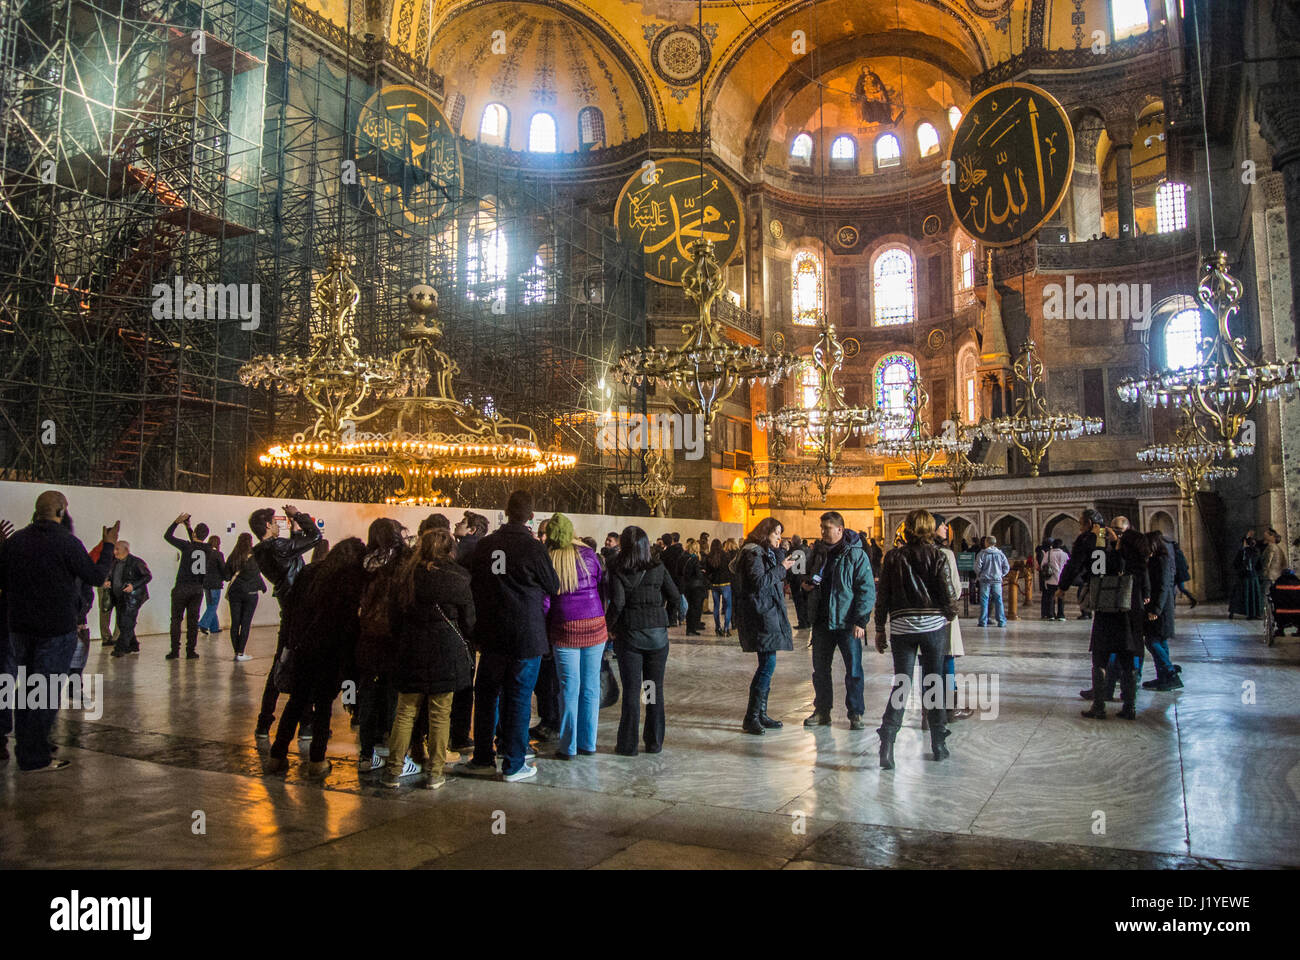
x: 895, y: 288
x: 927, y: 138
x: 492, y: 129
x: 893, y: 380
x: 1128, y: 17
x: 810, y: 386
x: 801, y: 150
x: 808, y: 291
x: 1171, y: 207
x: 889, y: 153
x: 1183, y: 339
x: 954, y: 116
x: 966, y: 380
x: 542, y: 135
x: 486, y: 261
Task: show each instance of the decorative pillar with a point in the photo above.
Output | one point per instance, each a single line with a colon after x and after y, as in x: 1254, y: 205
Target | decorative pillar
x: 1085, y: 182
x: 1121, y: 134
x: 1278, y: 110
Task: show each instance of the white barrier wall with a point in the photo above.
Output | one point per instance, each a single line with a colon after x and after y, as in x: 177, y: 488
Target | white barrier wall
x: 146, y: 514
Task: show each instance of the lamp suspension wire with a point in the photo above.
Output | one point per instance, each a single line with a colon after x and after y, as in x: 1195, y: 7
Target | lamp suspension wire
x: 1205, y: 126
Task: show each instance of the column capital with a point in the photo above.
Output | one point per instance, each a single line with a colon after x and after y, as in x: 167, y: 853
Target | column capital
x: 1277, y: 109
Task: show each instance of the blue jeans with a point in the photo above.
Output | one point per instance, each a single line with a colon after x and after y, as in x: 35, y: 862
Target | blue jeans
x: 824, y: 644
x: 504, y: 688
x: 579, y: 670
x: 46, y: 657
x: 209, y: 621
x: 762, y: 681
x: 722, y: 605
x: 1160, y: 654
x: 991, y: 594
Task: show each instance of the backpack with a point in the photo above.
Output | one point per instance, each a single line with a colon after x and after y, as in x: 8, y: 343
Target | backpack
x: 375, y: 606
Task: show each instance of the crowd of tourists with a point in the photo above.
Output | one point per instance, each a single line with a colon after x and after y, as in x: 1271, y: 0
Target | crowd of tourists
x: 438, y: 641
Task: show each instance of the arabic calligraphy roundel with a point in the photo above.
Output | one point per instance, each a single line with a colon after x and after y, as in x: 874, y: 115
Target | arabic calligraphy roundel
x: 1009, y: 163
x: 662, y: 210
x: 408, y: 162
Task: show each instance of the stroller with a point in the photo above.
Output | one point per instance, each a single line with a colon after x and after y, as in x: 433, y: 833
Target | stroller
x: 1282, y: 608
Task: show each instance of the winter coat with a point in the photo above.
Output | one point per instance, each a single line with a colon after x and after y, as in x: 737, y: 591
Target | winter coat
x: 758, y: 601
x: 280, y: 558
x: 135, y: 572
x: 1162, y: 571
x: 916, y: 579
x: 246, y: 581
x: 585, y: 603
x: 991, y: 565
x: 848, y: 588
x: 431, y: 656
x: 43, y: 568
x: 1122, y: 632
x: 636, y: 613
x: 377, y: 644
x: 510, y: 576
x: 325, y: 623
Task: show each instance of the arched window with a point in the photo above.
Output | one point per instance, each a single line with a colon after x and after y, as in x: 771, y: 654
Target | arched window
x: 1128, y: 17
x: 807, y: 294
x: 801, y: 151
x: 889, y: 152
x: 844, y: 153
x: 1182, y: 338
x: 492, y: 128
x: 542, y: 135
x: 954, y: 116
x: 539, y: 280
x: 485, y: 264
x: 1171, y: 207
x: 927, y: 138
x: 969, y: 398
x: 893, y: 378
x: 591, y: 128
x: 965, y: 267
x: 895, y: 287
x: 810, y: 385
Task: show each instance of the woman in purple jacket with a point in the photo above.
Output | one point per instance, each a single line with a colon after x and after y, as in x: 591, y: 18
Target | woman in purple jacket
x: 575, y: 624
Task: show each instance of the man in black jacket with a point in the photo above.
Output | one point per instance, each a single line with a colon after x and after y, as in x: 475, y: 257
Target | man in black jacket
x: 197, y: 559
x: 280, y: 560
x: 126, y: 583
x: 43, y: 568
x: 1079, y: 566
x: 468, y: 533
x: 673, y: 556
x: 510, y: 576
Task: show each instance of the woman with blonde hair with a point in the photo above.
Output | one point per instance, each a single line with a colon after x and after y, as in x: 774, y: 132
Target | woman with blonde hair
x: 575, y: 625
x: 433, y: 611
x: 695, y: 584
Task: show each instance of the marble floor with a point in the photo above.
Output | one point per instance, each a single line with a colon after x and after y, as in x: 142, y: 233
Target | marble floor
x: 1208, y: 777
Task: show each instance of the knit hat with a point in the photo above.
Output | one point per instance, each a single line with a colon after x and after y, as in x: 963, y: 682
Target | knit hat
x: 559, y: 531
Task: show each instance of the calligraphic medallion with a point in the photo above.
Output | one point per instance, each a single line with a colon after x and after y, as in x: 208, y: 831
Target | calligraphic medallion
x: 1009, y: 163
x: 665, y: 207
x: 847, y: 235
x: 408, y: 163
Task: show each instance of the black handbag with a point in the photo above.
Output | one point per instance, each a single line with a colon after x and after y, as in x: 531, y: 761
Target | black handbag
x: 608, y: 682
x: 1111, y: 592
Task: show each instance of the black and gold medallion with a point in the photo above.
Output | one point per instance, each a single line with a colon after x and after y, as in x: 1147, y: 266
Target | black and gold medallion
x: 1009, y: 163
x: 408, y: 163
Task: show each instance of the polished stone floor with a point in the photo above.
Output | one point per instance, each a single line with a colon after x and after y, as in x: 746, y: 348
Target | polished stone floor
x: 1208, y: 777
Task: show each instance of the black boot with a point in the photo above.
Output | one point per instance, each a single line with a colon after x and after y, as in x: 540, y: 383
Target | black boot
x: 763, y: 718
x: 1098, y: 711
x: 887, y: 735
x: 752, y: 724
x: 938, y: 734
x: 1128, y: 690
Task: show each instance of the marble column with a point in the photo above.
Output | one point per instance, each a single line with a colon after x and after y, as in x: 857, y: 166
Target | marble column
x: 1278, y: 110
x: 1121, y: 132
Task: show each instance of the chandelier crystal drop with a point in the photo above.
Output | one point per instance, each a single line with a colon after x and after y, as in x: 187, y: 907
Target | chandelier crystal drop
x: 1226, y: 384
x: 915, y: 445
x: 707, y: 368
x: 1192, y: 460
x: 959, y: 469
x: 1033, y: 427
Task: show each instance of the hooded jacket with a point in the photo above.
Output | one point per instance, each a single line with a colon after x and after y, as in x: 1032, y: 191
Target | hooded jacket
x: 847, y: 588
x: 758, y: 601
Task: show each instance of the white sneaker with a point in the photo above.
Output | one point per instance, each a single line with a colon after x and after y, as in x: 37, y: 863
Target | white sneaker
x: 371, y: 765
x: 523, y: 773
x: 410, y: 767
x: 242, y: 657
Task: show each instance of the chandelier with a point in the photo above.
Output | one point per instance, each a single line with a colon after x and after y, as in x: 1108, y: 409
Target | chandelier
x: 826, y: 427
x: 915, y: 444
x: 429, y: 435
x: 656, y: 488
x: 959, y: 469
x: 1225, y: 385
x: 1033, y: 428
x: 1190, y: 461
x: 707, y: 368
x: 334, y: 378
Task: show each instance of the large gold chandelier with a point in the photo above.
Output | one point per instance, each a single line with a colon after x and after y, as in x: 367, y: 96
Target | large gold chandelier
x: 1033, y: 428
x: 1192, y: 459
x: 707, y: 368
x: 959, y: 469
x: 825, y: 428
x: 427, y: 434
x: 656, y: 488
x: 1225, y: 385
x: 915, y: 444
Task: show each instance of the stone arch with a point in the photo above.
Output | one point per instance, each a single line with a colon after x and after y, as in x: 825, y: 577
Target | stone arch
x: 1162, y: 521
x: 1013, y: 536
x: 1064, y: 527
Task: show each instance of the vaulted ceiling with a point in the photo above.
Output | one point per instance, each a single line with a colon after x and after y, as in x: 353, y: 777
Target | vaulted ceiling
x: 640, y: 60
